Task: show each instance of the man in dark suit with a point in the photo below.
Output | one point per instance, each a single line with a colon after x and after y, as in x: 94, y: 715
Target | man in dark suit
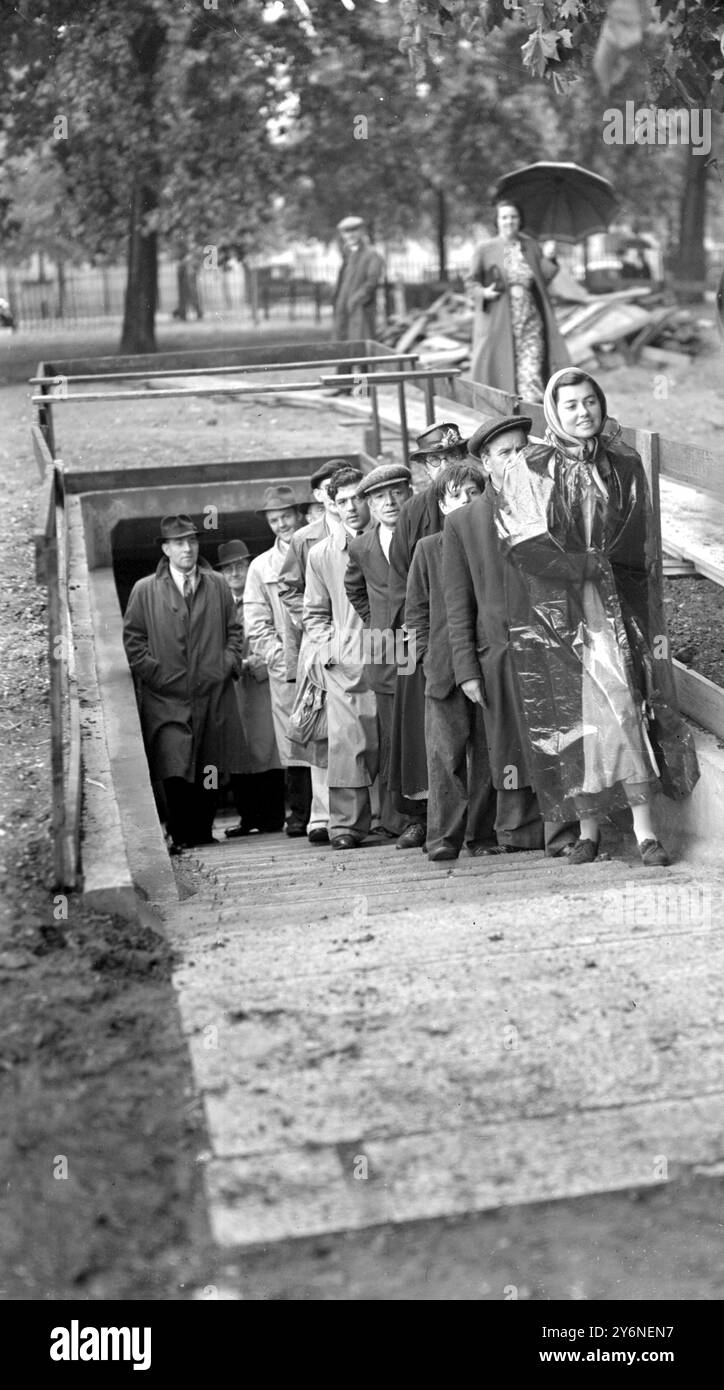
x: 441, y: 443
x: 462, y: 799
x: 355, y: 294
x: 386, y: 490
x: 479, y: 582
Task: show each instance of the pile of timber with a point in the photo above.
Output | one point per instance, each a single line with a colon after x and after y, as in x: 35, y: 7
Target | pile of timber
x: 636, y: 324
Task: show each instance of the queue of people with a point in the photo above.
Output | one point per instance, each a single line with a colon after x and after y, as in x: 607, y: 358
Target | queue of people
x: 485, y: 660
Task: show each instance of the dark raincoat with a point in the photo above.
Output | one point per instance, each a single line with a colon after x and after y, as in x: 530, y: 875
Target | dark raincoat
x: 184, y: 664
x: 588, y: 634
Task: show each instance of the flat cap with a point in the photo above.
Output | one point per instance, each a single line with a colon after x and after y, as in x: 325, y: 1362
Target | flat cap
x: 276, y: 499
x: 350, y: 224
x: 385, y: 476
x: 326, y: 470
x: 490, y: 429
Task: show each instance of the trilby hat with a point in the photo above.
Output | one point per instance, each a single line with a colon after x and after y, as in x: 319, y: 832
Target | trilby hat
x: 174, y: 528
x: 231, y: 551
x: 277, y: 498
x: 490, y: 429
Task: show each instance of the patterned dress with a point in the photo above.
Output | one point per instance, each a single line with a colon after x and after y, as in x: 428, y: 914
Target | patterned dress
x: 527, y: 324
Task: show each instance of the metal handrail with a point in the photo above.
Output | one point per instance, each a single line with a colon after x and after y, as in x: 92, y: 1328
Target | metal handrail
x: 221, y: 371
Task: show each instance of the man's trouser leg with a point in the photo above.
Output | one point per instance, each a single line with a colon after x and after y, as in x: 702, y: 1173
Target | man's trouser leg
x: 319, y: 813
x: 518, y: 821
x: 299, y: 796
x: 259, y: 799
x: 482, y: 796
x: 205, y: 802
x: 447, y: 728
x: 392, y: 817
x: 180, y: 805
x: 349, y: 812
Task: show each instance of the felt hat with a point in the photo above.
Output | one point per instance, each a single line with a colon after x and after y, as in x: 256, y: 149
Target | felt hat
x: 384, y: 476
x: 231, y: 551
x: 174, y: 528
x: 440, y: 438
x: 277, y: 498
x: 350, y: 224
x: 490, y: 429
x: 326, y: 470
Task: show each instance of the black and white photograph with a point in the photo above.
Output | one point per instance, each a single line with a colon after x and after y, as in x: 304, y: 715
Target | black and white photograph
x: 362, y: 646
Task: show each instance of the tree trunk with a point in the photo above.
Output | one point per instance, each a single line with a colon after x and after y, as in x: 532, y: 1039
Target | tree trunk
x: 690, y: 261
x: 441, y: 219
x: 139, y: 310
x: 146, y: 42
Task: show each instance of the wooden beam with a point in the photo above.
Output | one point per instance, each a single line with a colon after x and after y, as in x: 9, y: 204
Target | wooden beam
x: 240, y: 367
x: 700, y: 699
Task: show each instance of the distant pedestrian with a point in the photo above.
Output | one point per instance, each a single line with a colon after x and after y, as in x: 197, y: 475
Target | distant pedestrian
x: 355, y: 295
x: 183, y: 643
x: 516, y: 339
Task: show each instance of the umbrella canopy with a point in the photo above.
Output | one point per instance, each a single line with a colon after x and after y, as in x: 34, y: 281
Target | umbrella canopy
x: 560, y: 200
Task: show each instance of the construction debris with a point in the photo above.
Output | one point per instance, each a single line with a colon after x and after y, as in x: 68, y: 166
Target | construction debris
x: 638, y: 323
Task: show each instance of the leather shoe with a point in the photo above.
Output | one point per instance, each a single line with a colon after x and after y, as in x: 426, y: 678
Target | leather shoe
x: 443, y: 853
x: 295, y: 829
x: 585, y: 851
x: 413, y: 837
x: 235, y: 832
x: 345, y: 842
x: 653, y: 854
x: 481, y: 851
x: 318, y: 837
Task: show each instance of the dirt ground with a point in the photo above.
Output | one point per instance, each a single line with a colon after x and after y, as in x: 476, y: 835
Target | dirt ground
x: 101, y: 1135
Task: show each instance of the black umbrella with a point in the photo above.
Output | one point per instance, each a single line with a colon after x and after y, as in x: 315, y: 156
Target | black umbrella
x: 562, y: 201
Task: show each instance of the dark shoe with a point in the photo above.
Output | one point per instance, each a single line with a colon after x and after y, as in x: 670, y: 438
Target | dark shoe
x: 484, y: 850
x: 444, y: 852
x: 318, y: 837
x: 563, y: 852
x: 178, y: 848
x: 295, y: 829
x: 413, y: 837
x: 653, y: 854
x: 235, y: 832
x: 584, y: 851
x: 270, y: 827
x: 345, y: 842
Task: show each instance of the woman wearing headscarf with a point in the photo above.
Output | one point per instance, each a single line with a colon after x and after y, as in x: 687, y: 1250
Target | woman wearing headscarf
x: 589, y: 638
x: 516, y: 340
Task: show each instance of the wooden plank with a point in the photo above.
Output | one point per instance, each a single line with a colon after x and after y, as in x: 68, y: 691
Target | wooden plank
x: 43, y: 456
x: 647, y: 447
x: 167, y: 392
x: 698, y: 468
x: 700, y: 699
x: 44, y: 524
x: 192, y: 474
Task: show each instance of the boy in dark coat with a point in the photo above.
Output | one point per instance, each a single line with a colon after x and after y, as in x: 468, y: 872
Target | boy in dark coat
x: 461, y: 799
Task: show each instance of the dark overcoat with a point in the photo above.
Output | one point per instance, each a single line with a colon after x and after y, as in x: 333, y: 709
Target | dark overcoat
x: 366, y: 584
x: 184, y: 664
x: 355, y: 295
x: 493, y: 360
x: 420, y: 516
x: 479, y: 582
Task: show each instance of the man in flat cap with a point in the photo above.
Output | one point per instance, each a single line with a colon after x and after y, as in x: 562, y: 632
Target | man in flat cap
x: 478, y: 582
x: 355, y: 295
x: 264, y: 623
x: 386, y: 490
x: 257, y: 781
x: 441, y: 443
x: 183, y: 643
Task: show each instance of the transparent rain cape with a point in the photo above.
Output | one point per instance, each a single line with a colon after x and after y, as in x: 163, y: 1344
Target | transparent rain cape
x: 588, y: 639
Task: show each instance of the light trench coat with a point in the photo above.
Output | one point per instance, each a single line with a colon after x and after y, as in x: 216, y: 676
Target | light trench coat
x: 333, y: 633
x: 264, y: 625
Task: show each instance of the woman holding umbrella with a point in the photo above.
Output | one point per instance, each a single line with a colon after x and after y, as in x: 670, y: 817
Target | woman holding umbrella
x: 587, y: 627
x: 516, y: 340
